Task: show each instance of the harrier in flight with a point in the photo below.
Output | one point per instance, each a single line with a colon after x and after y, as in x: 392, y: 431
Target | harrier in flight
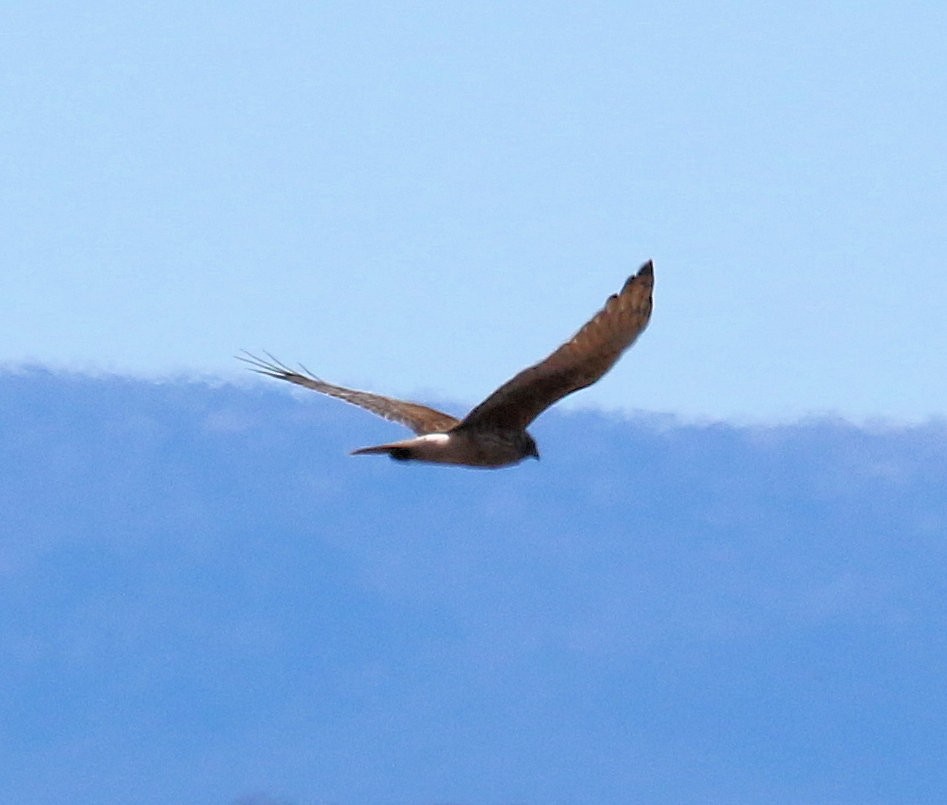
x: 494, y: 433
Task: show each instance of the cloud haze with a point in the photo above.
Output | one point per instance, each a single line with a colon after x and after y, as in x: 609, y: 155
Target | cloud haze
x: 203, y: 597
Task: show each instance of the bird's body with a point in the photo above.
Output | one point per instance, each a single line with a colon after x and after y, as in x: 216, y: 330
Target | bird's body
x: 470, y: 447
x: 494, y: 433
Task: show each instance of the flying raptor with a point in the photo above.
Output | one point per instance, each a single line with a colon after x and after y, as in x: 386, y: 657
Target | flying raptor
x: 494, y: 433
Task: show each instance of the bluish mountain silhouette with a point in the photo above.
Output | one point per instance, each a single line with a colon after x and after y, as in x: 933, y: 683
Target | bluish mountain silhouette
x: 204, y: 598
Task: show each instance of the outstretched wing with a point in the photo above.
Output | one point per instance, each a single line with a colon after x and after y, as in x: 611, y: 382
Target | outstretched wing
x: 578, y: 363
x: 419, y: 418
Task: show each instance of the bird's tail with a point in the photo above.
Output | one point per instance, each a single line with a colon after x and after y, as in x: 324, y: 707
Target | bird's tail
x: 399, y: 451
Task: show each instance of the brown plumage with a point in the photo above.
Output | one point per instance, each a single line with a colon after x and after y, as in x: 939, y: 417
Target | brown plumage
x: 494, y: 433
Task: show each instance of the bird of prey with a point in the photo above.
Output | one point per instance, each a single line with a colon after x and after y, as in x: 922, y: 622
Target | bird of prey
x: 494, y: 433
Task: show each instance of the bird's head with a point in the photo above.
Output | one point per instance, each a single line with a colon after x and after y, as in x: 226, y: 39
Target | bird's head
x: 528, y: 447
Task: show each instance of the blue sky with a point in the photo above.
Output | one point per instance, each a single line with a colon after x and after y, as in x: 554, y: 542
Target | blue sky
x: 724, y: 582
x: 338, y: 182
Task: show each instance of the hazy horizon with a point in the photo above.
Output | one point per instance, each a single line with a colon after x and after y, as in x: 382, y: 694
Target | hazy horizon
x: 205, y: 598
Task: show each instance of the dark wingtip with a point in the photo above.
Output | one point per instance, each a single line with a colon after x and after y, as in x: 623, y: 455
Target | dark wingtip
x: 645, y: 273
